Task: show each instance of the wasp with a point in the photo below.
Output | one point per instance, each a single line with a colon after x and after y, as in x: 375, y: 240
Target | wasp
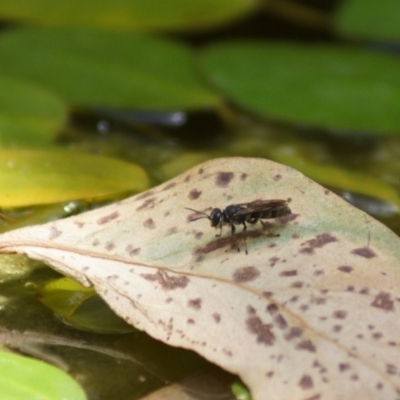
x: 240, y: 214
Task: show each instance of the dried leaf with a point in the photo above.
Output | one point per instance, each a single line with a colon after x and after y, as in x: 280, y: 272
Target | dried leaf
x: 311, y: 314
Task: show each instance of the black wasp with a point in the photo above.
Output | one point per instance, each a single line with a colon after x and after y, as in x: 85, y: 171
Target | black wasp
x: 239, y: 214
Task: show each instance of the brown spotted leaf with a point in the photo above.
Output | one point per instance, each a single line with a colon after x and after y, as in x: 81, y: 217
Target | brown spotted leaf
x: 313, y: 313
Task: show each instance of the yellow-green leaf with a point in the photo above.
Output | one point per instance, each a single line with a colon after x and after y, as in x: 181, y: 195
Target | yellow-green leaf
x: 23, y: 378
x: 31, y: 177
x: 126, y: 14
x: 80, y: 307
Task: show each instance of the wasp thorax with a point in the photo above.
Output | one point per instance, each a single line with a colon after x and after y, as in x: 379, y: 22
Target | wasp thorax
x: 216, y: 217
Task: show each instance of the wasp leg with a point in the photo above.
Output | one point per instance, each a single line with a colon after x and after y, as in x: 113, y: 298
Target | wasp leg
x: 233, y: 230
x: 220, y: 232
x: 244, y: 237
x: 265, y: 226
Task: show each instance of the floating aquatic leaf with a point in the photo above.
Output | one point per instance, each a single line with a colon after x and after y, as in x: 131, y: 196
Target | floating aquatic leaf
x: 369, y: 19
x: 29, y: 115
x: 106, y: 69
x: 24, y: 378
x: 311, y: 313
x: 126, y: 14
x: 31, y: 177
x: 340, y: 88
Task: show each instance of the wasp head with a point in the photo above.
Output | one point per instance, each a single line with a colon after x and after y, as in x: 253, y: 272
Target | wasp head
x: 216, y: 217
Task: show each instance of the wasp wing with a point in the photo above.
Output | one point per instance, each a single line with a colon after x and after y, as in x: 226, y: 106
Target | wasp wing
x: 264, y: 209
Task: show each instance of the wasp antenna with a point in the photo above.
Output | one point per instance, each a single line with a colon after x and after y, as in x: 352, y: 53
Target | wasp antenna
x: 195, y: 219
x: 199, y: 212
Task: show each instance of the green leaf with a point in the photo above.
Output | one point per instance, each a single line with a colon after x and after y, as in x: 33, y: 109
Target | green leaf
x: 111, y: 69
x: 31, y: 177
x: 339, y: 178
x: 80, y: 307
x: 28, y: 114
x: 126, y: 14
x: 369, y: 19
x: 331, y: 87
x: 25, y: 378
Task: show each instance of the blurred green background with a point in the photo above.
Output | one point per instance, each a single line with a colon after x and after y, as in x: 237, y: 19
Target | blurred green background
x: 100, y: 100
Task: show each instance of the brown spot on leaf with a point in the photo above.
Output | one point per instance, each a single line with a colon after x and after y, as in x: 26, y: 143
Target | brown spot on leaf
x: 318, y: 300
x: 172, y: 230
x: 108, y: 218
x: 345, y: 268
x: 384, y: 301
x: 217, y: 317
x: 340, y: 314
x: 261, y: 330
x: 148, y: 203
x: 227, y: 352
x: 293, y: 333
x: 297, y: 284
x: 224, y: 178
x: 131, y: 250
x: 337, y: 328
x: 306, y: 382
x: 319, y: 241
x: 169, y: 186
x: 198, y: 234
x: 272, y: 308
x: 250, y: 309
x: 243, y: 177
x: 245, y: 274
x: 364, y: 290
x: 166, y: 281
x: 273, y: 261
x: 195, y: 303
x: 109, y: 246
x: 277, y: 177
x: 200, y: 171
x: 149, y: 223
x: 292, y: 272
x: 315, y: 397
x: 54, y: 233
x: 344, y: 367
x: 190, y: 321
x: 365, y: 252
x: 79, y: 224
x: 194, y: 194
x: 144, y: 195
x: 391, y: 369
x: 306, y: 345
x: 280, y: 321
